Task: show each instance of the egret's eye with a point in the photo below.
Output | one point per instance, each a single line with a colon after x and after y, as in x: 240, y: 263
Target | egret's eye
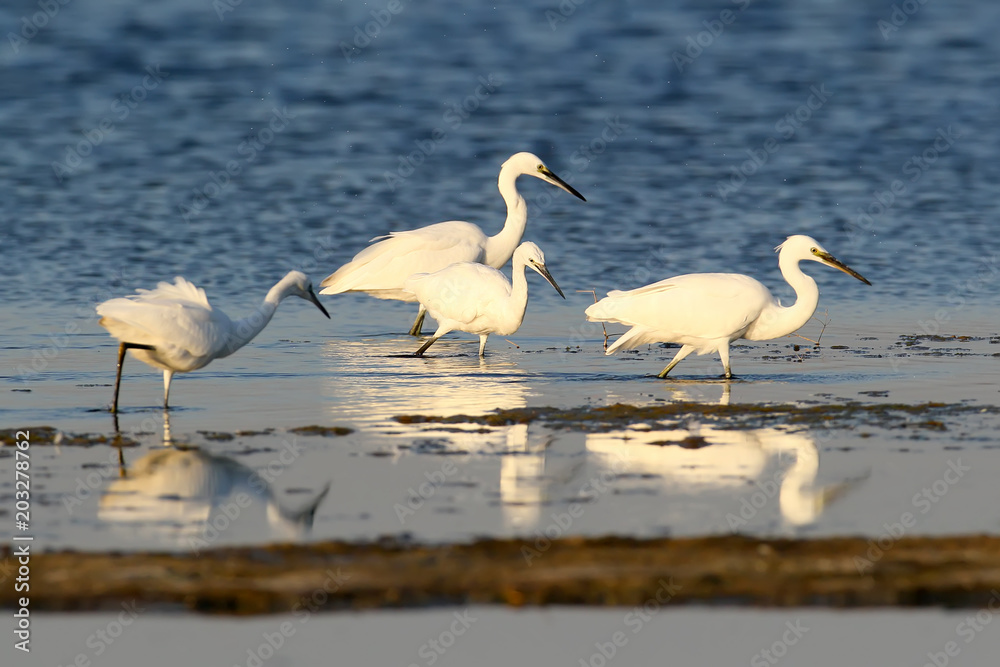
x: 813, y: 250
x: 541, y: 168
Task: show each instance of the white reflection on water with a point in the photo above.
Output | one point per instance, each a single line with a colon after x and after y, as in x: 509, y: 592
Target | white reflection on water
x: 189, y: 497
x: 705, y: 458
x: 374, y: 382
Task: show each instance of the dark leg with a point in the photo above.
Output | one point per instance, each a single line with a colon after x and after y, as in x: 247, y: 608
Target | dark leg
x: 418, y: 323
x: 423, y: 348
x: 122, y: 349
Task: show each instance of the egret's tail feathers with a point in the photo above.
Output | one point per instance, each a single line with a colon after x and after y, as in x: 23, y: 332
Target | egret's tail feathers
x: 598, y: 312
x: 335, y: 283
x: 632, y: 338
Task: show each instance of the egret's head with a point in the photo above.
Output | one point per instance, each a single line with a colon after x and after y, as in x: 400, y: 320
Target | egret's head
x: 801, y: 247
x: 531, y: 165
x: 533, y: 257
x: 298, y: 284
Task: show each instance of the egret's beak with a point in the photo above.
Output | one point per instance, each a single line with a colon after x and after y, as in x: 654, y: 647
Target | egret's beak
x: 315, y: 300
x: 548, y: 276
x: 830, y: 260
x: 546, y: 175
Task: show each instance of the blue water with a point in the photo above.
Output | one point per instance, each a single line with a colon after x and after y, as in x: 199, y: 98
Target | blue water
x: 147, y: 140
x: 316, y: 193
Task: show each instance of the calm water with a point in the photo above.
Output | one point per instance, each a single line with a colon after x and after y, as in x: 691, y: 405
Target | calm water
x: 120, y: 119
x: 557, y: 635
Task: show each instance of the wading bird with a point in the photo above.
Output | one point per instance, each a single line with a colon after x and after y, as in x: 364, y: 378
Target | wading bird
x: 380, y: 269
x: 705, y: 312
x: 478, y: 299
x: 173, y: 327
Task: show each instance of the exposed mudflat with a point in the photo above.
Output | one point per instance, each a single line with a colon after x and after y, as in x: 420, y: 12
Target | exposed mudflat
x: 839, y: 572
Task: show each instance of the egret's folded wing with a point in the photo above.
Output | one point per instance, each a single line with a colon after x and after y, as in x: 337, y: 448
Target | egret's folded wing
x: 151, y: 318
x: 702, y: 304
x: 461, y: 292
x: 387, y: 263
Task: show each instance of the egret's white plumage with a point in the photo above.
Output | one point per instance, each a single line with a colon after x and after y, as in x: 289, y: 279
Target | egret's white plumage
x: 381, y: 269
x: 704, y: 312
x: 478, y: 299
x: 175, y: 328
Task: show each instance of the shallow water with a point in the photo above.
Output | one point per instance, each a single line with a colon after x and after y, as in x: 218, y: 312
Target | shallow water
x: 558, y: 635
x: 314, y: 194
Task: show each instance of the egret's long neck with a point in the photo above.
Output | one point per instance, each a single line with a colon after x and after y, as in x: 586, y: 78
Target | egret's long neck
x: 518, y: 301
x: 500, y: 248
x: 777, y: 320
x: 246, y: 329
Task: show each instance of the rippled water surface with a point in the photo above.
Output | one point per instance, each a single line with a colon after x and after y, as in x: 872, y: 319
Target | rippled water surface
x: 119, y: 120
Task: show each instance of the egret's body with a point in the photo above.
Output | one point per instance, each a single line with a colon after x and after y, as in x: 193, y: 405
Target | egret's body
x: 173, y: 327
x: 705, y: 312
x: 381, y: 269
x: 478, y: 299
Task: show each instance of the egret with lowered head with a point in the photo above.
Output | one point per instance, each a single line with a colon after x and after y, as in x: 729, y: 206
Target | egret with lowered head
x: 380, y: 269
x: 705, y: 312
x: 478, y: 299
x: 173, y: 327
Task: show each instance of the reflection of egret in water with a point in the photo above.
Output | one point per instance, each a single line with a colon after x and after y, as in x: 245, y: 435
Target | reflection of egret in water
x: 189, y: 497
x: 528, y: 478
x: 372, y: 385
x: 522, y: 479
x: 703, y: 459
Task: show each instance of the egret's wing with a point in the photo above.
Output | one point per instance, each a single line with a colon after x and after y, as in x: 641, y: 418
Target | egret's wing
x: 709, y: 305
x: 387, y: 263
x: 172, y: 316
x: 461, y: 292
x: 180, y: 291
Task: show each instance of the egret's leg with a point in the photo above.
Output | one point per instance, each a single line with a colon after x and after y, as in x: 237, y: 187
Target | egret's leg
x: 423, y: 348
x: 122, y: 349
x: 418, y: 323
x: 482, y: 344
x: 681, y: 353
x: 724, y: 355
x: 167, y: 377
x: 118, y: 378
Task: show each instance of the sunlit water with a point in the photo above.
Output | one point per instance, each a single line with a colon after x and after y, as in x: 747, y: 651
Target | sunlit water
x: 322, y: 152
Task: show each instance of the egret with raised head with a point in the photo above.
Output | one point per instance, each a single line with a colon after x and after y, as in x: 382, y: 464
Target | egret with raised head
x: 173, y: 327
x: 476, y: 298
x: 705, y: 312
x: 380, y: 269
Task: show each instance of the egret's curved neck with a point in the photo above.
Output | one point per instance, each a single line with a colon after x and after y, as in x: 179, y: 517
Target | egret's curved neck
x: 518, y: 301
x: 500, y: 248
x: 776, y: 320
x: 246, y: 329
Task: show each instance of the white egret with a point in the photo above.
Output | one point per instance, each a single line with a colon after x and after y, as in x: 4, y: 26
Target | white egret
x: 705, y: 312
x: 476, y: 298
x: 380, y: 269
x: 173, y: 327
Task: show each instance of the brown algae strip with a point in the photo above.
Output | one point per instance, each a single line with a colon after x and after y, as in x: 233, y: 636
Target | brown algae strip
x: 928, y: 416
x: 733, y: 570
